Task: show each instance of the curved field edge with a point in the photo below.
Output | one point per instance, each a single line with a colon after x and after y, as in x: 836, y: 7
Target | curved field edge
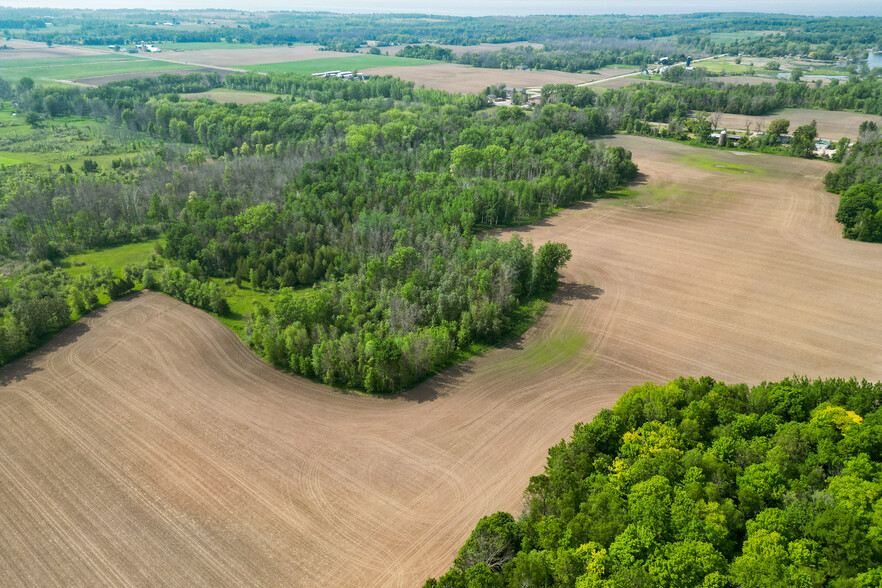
x: 149, y: 433
x: 699, y: 483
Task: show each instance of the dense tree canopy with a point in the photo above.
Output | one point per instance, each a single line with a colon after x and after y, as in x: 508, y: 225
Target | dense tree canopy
x: 697, y: 483
x: 357, y: 203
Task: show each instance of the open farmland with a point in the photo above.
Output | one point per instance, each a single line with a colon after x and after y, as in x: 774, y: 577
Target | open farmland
x: 454, y: 77
x: 146, y: 445
x: 106, y: 79
x: 239, y: 56
x: 21, y: 49
x: 831, y: 124
x: 352, y: 61
x: 72, y: 68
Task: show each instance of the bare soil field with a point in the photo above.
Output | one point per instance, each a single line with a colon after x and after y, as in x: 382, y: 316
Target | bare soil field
x: 21, y: 49
x: 101, y: 80
x: 147, y: 446
x: 831, y: 125
x: 251, y: 56
x: 455, y: 77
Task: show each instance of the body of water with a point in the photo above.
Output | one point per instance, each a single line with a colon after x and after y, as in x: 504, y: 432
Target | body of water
x: 875, y: 60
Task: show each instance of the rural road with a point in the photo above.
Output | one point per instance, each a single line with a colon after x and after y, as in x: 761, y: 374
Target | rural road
x: 147, y: 446
x: 634, y: 73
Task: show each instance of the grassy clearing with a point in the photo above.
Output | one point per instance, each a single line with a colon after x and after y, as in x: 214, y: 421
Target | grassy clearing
x: 63, y: 140
x: 355, y: 62
x: 71, y: 68
x: 7, y: 160
x: 223, y: 96
x: 242, y: 302
x: 114, y: 257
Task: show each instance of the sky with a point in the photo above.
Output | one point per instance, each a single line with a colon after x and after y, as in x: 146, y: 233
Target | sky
x: 491, y: 7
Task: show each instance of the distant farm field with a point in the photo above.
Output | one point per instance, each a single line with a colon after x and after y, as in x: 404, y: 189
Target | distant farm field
x: 146, y: 445
x: 454, y: 77
x: 831, y: 124
x: 72, y: 68
x: 235, y: 56
x: 359, y: 61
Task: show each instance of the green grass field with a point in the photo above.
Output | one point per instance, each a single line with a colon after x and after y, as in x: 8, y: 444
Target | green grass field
x: 72, y: 68
x: 356, y: 62
x: 224, y: 96
x: 114, y: 257
x: 710, y: 163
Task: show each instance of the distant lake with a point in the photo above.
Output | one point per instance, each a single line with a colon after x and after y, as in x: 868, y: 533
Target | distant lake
x: 875, y: 60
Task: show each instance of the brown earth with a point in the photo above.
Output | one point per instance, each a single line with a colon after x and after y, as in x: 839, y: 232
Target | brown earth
x: 21, y: 49
x: 455, y: 77
x: 250, y: 56
x: 831, y: 125
x: 146, y: 445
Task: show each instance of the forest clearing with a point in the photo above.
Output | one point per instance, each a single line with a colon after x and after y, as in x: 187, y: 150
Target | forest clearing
x: 147, y: 444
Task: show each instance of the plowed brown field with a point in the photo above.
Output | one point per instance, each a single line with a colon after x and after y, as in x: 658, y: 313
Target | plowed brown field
x: 147, y: 446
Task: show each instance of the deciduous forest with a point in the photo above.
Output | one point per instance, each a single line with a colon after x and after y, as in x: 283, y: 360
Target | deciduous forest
x: 699, y: 483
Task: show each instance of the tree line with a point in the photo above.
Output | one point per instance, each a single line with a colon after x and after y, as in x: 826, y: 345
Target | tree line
x: 859, y: 183
x: 699, y: 483
x: 360, y: 213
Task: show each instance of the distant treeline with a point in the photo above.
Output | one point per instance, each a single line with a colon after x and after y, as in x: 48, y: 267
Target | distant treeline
x: 572, y: 42
x: 700, y: 484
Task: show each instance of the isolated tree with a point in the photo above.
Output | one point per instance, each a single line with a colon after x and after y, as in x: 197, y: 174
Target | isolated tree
x: 549, y: 259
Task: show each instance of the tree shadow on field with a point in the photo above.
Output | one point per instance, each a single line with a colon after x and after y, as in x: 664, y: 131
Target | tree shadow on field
x: 21, y: 368
x: 439, y: 385
x: 639, y: 180
x: 567, y: 292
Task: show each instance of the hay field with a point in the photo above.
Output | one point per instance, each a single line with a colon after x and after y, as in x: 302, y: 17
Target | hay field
x: 77, y: 67
x: 146, y: 445
x: 831, y: 124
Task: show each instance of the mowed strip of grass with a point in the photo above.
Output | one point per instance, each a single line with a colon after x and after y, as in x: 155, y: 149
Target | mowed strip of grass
x: 355, y: 62
x: 71, y: 68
